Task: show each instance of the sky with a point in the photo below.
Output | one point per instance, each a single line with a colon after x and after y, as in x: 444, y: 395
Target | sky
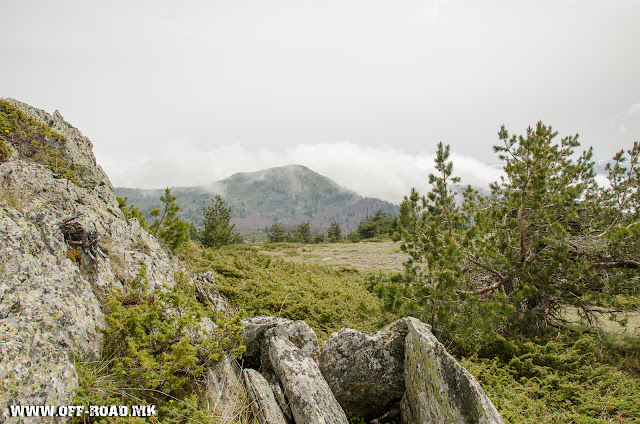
x: 187, y: 93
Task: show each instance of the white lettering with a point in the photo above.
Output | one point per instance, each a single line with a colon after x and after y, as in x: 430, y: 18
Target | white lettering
x: 136, y: 411
x: 16, y: 411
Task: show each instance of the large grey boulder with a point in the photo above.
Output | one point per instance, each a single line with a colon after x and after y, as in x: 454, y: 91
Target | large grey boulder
x: 307, y: 392
x: 300, y: 334
x: 263, y: 401
x: 64, y: 244
x: 365, y: 370
x: 439, y: 390
x: 297, y: 332
x: 253, y: 337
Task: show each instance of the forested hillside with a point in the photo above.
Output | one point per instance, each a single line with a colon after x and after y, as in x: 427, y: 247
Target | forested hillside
x: 292, y: 194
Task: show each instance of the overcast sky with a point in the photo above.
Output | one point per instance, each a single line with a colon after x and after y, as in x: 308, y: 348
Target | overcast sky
x: 187, y: 93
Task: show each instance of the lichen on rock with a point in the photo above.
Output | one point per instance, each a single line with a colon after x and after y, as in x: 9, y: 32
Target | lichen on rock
x: 365, y: 370
x: 439, y: 389
x: 65, y: 244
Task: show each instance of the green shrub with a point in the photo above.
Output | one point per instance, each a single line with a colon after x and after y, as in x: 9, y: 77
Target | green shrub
x: 5, y: 150
x: 327, y: 299
x: 560, y: 381
x: 37, y: 142
x: 156, y: 350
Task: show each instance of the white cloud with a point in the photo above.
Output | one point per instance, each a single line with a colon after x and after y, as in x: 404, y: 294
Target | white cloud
x: 382, y: 172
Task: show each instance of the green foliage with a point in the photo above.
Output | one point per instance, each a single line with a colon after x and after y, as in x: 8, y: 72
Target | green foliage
x: 518, y: 257
x: 5, y: 150
x: 303, y: 233
x: 37, y: 142
x: 218, y: 230
x: 379, y: 224
x: 536, y: 213
x: 194, y: 233
x: 558, y: 381
x: 620, y: 351
x: 174, y: 232
x: 427, y: 225
x: 334, y: 233
x: 131, y: 211
x: 156, y: 348
x: 277, y: 233
x: 353, y: 237
x: 353, y: 418
x: 167, y: 226
x: 325, y: 298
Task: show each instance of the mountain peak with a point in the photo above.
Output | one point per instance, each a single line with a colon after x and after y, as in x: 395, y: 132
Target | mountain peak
x: 292, y: 194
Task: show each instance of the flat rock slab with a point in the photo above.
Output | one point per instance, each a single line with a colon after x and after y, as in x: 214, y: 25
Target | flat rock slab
x: 439, y: 390
x: 309, y: 395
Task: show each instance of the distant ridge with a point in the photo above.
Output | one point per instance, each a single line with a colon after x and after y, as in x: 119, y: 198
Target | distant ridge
x: 292, y: 194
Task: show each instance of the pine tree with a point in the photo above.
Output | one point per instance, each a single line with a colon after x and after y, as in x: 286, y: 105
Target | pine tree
x: 277, y: 233
x: 427, y: 226
x: 217, y: 230
x: 334, y: 233
x: 169, y: 210
x: 379, y: 224
x: 167, y: 226
x: 132, y: 212
x: 303, y: 233
x: 547, y: 237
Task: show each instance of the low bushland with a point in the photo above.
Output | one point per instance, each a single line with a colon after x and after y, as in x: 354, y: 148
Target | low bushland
x: 556, y: 381
x: 327, y: 299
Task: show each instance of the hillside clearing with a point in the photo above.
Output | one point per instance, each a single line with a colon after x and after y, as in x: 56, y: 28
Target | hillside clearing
x: 366, y: 256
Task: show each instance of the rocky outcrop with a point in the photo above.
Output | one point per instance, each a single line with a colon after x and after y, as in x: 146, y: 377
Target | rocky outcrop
x: 253, y: 337
x: 48, y: 313
x: 400, y: 372
x: 263, y: 401
x: 65, y: 244
x: 225, y: 391
x: 439, y: 390
x: 204, y: 281
x: 307, y: 392
x: 297, y: 332
x: 365, y: 370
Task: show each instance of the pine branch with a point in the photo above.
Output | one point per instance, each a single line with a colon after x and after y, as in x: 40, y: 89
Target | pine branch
x: 629, y: 263
x: 503, y: 278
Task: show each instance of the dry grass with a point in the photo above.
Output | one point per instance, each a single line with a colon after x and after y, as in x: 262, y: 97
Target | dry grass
x: 609, y: 323
x: 378, y: 256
